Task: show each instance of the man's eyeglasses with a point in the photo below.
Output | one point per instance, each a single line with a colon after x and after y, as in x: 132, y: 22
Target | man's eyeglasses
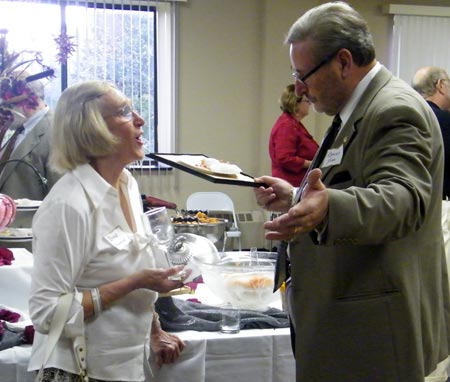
x: 325, y: 61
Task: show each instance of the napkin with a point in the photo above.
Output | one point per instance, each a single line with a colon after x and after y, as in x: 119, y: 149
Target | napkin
x: 178, y: 315
x: 6, y: 256
x: 11, y: 332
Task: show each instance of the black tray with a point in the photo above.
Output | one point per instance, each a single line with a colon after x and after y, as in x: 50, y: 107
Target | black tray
x: 176, y: 160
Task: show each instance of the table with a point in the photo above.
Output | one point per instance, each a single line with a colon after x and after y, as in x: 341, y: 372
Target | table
x: 257, y: 355
x: 262, y: 355
x: 15, y: 281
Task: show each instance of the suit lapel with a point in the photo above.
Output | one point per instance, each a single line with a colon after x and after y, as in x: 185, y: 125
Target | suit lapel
x: 350, y: 128
x: 31, y: 140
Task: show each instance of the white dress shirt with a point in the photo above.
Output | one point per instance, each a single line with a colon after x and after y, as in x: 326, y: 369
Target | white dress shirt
x: 82, y: 240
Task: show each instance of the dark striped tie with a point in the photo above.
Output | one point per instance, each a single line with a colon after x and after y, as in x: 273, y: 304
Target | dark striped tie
x: 11, y: 144
x: 282, y: 265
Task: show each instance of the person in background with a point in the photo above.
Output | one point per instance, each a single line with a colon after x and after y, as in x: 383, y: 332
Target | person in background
x: 291, y: 146
x: 368, y: 293
x: 91, y: 237
x: 24, y: 159
x: 433, y: 84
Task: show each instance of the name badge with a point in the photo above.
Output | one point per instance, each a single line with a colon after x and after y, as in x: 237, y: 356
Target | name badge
x: 333, y: 157
x: 117, y: 238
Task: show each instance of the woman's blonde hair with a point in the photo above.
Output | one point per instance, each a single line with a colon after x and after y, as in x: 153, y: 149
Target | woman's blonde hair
x: 79, y: 131
x: 289, y: 100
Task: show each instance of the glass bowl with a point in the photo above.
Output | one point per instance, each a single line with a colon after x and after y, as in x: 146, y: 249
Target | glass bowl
x: 244, y: 279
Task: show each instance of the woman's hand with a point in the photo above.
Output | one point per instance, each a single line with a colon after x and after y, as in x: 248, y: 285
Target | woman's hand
x: 166, y: 347
x: 158, y: 279
x: 155, y: 279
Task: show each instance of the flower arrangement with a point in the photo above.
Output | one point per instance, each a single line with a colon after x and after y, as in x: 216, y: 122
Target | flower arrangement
x: 13, y: 85
x: 66, y: 47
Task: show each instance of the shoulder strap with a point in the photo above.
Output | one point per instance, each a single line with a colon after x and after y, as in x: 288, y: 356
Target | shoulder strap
x: 57, y: 325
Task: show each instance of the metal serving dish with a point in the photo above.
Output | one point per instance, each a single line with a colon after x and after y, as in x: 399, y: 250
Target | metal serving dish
x: 213, y: 231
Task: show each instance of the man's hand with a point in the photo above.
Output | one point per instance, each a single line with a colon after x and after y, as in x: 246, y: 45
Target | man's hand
x: 276, y: 197
x: 306, y: 215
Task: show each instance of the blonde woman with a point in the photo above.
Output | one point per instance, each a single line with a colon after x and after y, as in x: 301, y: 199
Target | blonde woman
x: 91, y: 238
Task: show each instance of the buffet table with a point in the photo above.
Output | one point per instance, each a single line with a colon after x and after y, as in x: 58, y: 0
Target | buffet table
x: 259, y: 355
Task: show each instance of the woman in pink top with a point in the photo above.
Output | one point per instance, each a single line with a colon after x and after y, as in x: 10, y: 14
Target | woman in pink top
x: 291, y: 146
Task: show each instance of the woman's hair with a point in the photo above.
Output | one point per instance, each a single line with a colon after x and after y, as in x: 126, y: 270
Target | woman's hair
x: 79, y: 131
x: 289, y: 100
x: 331, y: 27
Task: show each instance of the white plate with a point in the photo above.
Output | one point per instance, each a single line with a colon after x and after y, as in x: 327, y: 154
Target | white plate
x: 27, y: 204
x: 207, y: 171
x: 16, y: 234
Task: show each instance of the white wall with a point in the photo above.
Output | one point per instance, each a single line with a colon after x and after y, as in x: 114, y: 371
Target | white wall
x: 233, y: 66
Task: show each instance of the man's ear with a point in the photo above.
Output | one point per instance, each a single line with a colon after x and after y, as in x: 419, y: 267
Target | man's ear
x: 345, y: 60
x: 440, y: 87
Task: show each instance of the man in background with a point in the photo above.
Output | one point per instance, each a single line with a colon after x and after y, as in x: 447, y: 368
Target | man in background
x: 25, y: 171
x: 433, y: 84
x: 24, y: 157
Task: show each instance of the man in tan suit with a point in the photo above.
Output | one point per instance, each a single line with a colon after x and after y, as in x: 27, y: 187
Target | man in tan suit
x: 368, y: 293
x: 27, y: 173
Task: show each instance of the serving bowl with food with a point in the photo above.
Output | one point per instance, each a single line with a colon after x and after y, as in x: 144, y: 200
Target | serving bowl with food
x: 244, y: 279
x: 199, y: 223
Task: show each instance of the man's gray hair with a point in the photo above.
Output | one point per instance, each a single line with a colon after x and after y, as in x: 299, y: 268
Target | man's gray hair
x: 333, y: 26
x: 425, y: 80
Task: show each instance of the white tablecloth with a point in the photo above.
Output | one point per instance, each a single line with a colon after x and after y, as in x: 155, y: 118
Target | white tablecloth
x: 260, y: 355
x: 257, y: 355
x: 15, y: 281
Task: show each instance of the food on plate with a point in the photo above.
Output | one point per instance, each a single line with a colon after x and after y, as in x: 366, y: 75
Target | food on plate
x: 26, y: 202
x: 219, y: 166
x: 17, y: 232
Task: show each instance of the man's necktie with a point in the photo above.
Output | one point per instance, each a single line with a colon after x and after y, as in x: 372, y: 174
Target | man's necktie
x: 11, y: 144
x: 282, y: 265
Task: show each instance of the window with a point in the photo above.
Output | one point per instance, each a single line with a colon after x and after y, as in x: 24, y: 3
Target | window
x: 126, y: 42
x: 414, y: 28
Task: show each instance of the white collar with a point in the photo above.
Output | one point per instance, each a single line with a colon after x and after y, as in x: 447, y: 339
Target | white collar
x: 348, y: 109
